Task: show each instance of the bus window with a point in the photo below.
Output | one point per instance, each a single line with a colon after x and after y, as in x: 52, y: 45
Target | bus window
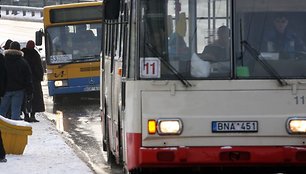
x: 176, y: 46
x: 274, y: 32
x: 85, y: 36
x: 60, y: 40
x: 70, y: 43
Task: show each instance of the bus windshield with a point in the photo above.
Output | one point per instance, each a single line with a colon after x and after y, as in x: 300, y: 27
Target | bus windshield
x: 274, y: 32
x: 201, y: 39
x: 73, y: 43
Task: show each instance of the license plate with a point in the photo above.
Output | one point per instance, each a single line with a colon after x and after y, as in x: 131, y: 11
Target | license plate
x: 234, y: 126
x: 92, y: 88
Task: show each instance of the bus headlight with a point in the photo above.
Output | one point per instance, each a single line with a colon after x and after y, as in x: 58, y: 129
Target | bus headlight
x: 169, y: 126
x: 60, y: 83
x: 296, y: 125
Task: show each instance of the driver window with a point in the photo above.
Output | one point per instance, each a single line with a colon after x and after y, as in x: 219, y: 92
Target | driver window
x: 271, y: 40
x: 84, y: 41
x: 278, y: 39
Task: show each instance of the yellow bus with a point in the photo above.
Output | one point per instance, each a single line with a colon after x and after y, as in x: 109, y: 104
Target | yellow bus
x: 72, y: 35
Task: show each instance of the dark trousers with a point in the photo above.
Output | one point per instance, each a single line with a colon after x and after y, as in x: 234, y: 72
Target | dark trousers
x: 2, y: 151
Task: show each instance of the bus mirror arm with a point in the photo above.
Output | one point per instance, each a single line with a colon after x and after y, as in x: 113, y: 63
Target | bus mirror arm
x: 255, y: 54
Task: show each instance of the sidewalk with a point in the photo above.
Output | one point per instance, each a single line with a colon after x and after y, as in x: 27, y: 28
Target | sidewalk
x: 45, y: 153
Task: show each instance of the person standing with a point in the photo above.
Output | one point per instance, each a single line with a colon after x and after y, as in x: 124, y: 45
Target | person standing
x: 2, y: 76
x: 2, y: 151
x: 19, y: 81
x: 34, y: 60
x: 3, y: 80
x: 6, y: 47
x: 2, y: 91
x: 7, y: 44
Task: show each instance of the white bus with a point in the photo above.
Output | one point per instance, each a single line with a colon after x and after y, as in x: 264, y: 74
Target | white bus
x: 175, y: 94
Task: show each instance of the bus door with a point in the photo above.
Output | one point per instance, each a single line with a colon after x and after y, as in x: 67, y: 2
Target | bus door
x: 118, y: 86
x: 116, y: 37
x: 111, y: 68
x: 116, y: 104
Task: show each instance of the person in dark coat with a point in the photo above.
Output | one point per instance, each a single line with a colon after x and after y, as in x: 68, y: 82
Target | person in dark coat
x: 2, y: 91
x: 2, y: 76
x: 6, y: 47
x: 7, y: 44
x: 2, y: 151
x: 34, y: 60
x: 19, y: 81
x: 3, y: 69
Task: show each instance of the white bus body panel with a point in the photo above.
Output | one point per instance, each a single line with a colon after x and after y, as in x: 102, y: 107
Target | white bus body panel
x: 207, y: 101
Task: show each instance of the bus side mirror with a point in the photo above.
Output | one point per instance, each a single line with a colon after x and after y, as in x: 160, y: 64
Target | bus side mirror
x: 38, y: 37
x: 111, y: 9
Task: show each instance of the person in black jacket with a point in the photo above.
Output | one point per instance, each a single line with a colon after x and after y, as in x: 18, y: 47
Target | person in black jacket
x: 2, y: 150
x: 34, y: 60
x: 219, y: 49
x: 6, y: 47
x: 2, y: 91
x: 7, y: 44
x: 19, y: 81
x: 2, y: 76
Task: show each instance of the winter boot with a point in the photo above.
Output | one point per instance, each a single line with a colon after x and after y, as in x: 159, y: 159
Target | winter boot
x: 32, y: 118
x: 27, y: 118
x: 3, y: 160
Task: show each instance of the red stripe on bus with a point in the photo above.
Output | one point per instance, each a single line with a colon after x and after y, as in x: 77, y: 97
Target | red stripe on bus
x: 138, y: 156
x: 133, y: 141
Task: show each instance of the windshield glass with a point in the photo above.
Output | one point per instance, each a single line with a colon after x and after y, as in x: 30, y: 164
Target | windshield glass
x: 187, y: 35
x: 275, y: 29
x: 73, y: 43
x: 201, y: 40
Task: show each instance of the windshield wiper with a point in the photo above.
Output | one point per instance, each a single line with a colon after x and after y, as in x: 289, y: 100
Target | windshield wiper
x: 255, y: 54
x: 169, y: 66
x: 89, y: 57
x: 82, y: 59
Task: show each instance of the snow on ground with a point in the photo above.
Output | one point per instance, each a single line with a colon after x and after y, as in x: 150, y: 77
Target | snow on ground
x: 45, y: 153
x: 15, y: 122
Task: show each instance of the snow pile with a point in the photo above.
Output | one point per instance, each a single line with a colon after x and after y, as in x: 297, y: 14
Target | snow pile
x: 15, y: 122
